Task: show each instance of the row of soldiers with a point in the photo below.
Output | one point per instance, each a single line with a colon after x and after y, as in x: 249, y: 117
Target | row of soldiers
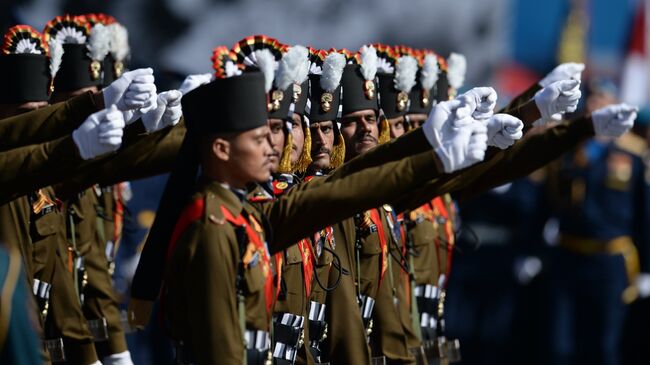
x: 62, y: 204
x: 308, y: 215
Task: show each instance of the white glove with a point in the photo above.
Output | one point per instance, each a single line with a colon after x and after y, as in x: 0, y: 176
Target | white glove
x: 464, y: 144
x: 133, y: 90
x: 480, y: 99
x: 642, y: 284
x: 503, y: 130
x: 441, y: 114
x: 123, y: 358
x: 559, y: 97
x: 614, y: 120
x: 100, y: 133
x: 168, y: 111
x: 191, y: 82
x: 565, y: 71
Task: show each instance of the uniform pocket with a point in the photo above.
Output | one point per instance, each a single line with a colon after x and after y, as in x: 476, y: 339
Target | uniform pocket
x: 254, y: 278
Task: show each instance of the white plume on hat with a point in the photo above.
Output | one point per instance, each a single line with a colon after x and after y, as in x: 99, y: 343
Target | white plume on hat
x: 292, y: 68
x: 231, y: 69
x: 119, y: 45
x: 56, y: 54
x: 456, y: 69
x: 70, y: 35
x: 368, y: 58
x: 26, y: 46
x: 406, y: 70
x: 332, y: 71
x: 385, y: 66
x: 429, y: 73
x: 99, y: 42
x: 264, y: 60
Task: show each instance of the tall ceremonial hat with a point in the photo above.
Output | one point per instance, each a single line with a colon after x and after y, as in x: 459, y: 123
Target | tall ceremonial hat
x: 324, y: 104
x: 263, y: 53
x: 359, y: 87
x: 292, y: 74
x: 456, y: 70
x: 285, y: 69
x: 423, y: 95
x: 119, y: 50
x: 241, y: 97
x: 241, y: 102
x: 83, y: 51
x: 326, y: 70
x: 442, y: 85
x: 25, y: 66
x: 397, y: 75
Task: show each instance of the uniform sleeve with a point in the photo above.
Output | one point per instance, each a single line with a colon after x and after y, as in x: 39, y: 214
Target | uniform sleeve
x: 311, y: 209
x: 500, y: 167
x: 210, y: 294
x: 410, y: 144
x: 46, y: 124
x: 149, y: 155
x: 28, y: 168
x: 521, y: 99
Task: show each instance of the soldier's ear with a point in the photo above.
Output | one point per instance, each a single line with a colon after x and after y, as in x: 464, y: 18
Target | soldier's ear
x: 221, y: 149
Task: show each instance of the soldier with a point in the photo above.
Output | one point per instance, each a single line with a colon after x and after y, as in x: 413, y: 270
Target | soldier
x: 84, y: 50
x: 286, y: 109
x: 226, y: 152
x: 37, y: 214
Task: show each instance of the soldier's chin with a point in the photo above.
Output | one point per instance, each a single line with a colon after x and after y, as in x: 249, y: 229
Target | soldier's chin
x: 263, y: 175
x: 365, y: 146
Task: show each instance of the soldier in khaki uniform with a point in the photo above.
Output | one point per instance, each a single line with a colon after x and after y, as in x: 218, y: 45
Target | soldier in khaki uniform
x: 80, y: 71
x: 194, y: 332
x: 32, y: 220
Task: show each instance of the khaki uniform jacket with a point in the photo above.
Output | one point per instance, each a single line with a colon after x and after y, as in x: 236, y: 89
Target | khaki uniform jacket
x: 200, y: 297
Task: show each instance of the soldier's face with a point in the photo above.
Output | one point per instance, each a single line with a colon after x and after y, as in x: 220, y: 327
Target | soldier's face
x: 416, y: 120
x: 58, y: 97
x: 397, y: 127
x: 250, y: 156
x: 322, y: 144
x: 360, y: 132
x: 298, y: 138
x: 276, y: 138
x: 9, y: 110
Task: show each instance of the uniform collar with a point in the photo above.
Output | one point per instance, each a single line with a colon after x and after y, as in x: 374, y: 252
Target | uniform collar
x: 228, y: 198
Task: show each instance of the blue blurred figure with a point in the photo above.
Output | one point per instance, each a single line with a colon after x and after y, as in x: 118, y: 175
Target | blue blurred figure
x: 602, y: 197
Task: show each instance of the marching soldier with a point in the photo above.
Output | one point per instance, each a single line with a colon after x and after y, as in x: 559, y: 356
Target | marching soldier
x: 37, y: 213
x: 204, y: 337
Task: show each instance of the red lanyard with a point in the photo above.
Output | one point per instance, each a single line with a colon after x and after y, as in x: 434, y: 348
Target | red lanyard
x: 449, y: 231
x: 307, y: 263
x: 257, y: 246
x: 383, y: 244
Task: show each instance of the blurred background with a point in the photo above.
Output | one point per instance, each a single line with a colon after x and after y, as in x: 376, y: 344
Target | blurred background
x: 506, y: 286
